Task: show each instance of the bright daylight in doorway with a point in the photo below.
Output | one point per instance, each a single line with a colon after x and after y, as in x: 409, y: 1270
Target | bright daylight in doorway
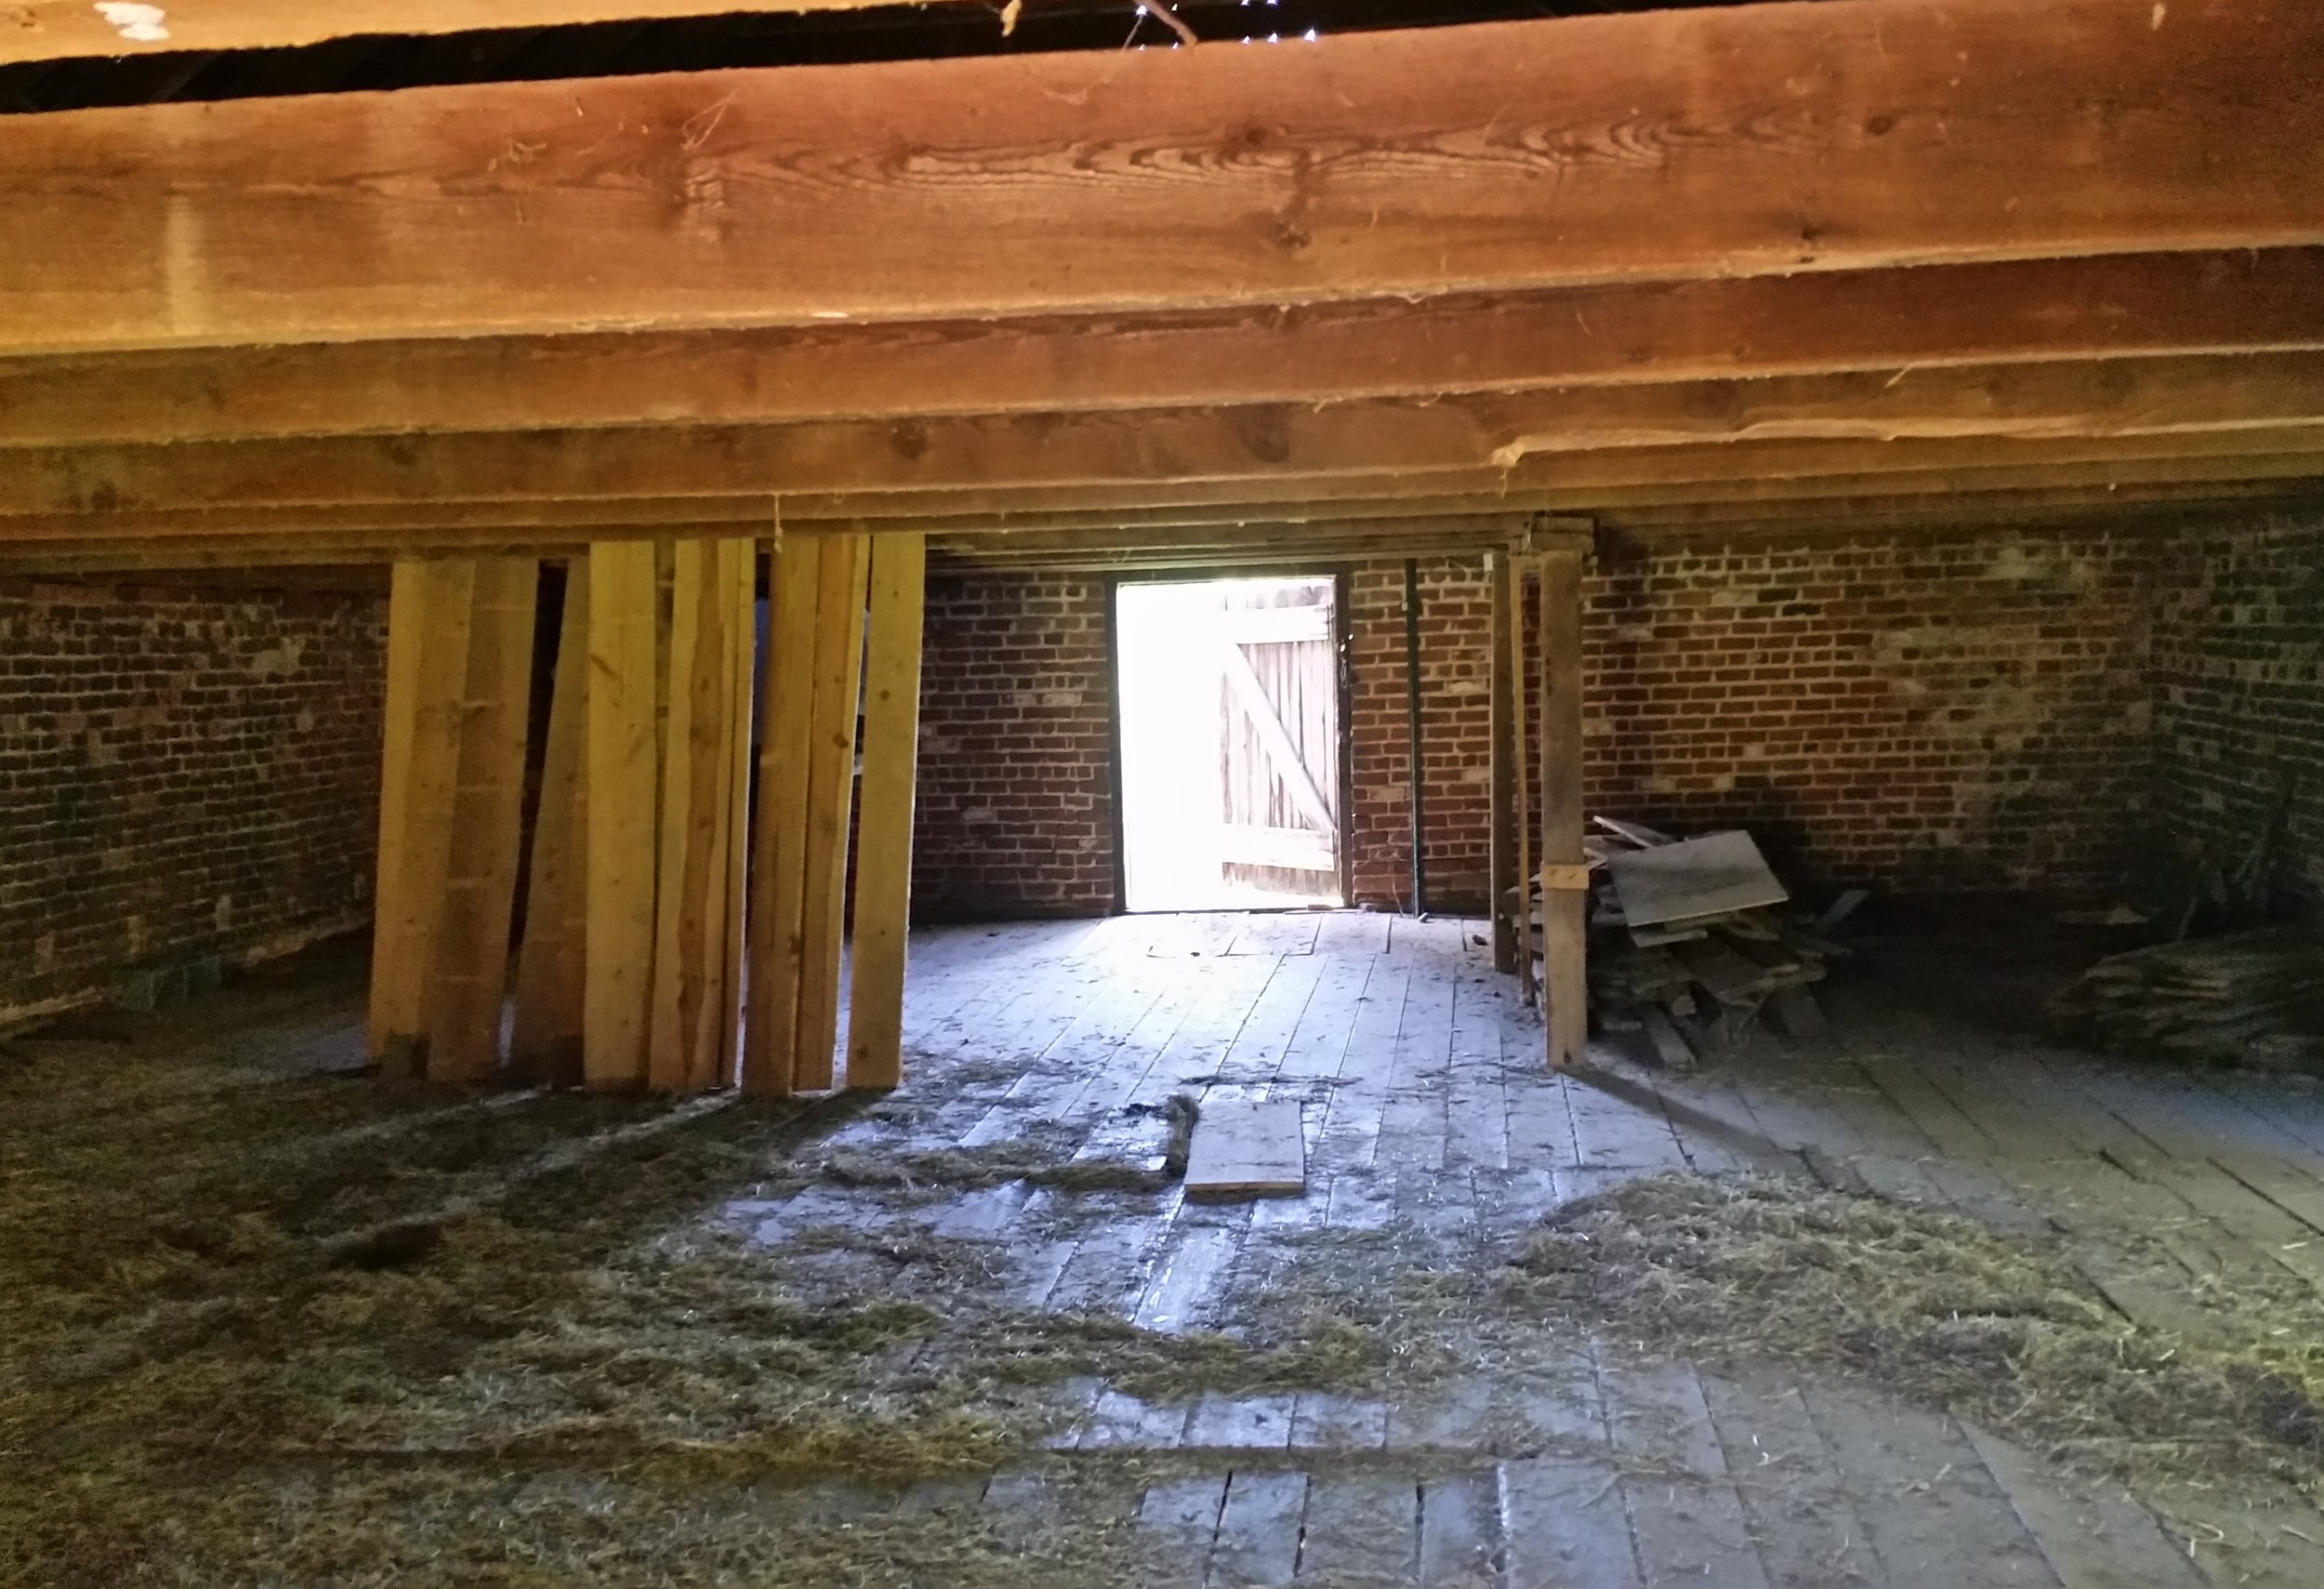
x: 1229, y: 748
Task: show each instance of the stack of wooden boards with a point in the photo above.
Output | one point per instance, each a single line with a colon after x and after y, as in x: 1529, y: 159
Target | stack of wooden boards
x: 1685, y: 944
x: 693, y: 838
x: 2246, y: 999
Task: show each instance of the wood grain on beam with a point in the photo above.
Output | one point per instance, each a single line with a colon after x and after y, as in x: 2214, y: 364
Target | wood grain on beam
x: 59, y: 30
x: 1619, y: 333
x: 1767, y: 475
x: 2128, y: 397
x: 1721, y: 141
x: 1188, y: 538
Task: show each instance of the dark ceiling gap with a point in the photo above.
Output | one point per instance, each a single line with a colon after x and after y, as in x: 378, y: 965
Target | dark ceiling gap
x: 698, y: 43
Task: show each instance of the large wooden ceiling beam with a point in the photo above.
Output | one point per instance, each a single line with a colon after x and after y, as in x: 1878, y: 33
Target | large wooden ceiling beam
x: 1618, y: 333
x: 1721, y: 141
x: 1999, y: 406
x: 1249, y: 535
x: 57, y: 29
x: 1782, y: 477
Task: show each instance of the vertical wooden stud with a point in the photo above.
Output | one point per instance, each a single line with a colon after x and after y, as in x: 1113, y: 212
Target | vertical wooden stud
x: 676, y: 917
x: 429, y: 606
x: 545, y: 1032
x: 470, y: 980
x: 883, y: 844
x: 785, y: 713
x: 1513, y: 623
x: 1501, y: 868
x: 1564, y: 901
x: 831, y: 802
x: 742, y: 662
x: 622, y: 771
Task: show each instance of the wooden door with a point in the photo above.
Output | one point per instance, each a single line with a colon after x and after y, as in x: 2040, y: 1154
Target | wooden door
x: 1279, y: 736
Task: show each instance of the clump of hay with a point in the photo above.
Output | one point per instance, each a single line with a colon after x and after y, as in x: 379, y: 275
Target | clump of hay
x: 1941, y: 1310
x: 258, y: 1329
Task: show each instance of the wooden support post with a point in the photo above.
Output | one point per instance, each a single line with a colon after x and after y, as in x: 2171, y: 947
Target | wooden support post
x: 785, y: 715
x: 883, y: 864
x: 545, y: 1033
x: 1564, y: 894
x: 1513, y: 623
x: 470, y: 980
x: 429, y: 606
x: 1500, y: 870
x: 622, y: 771
x: 839, y: 677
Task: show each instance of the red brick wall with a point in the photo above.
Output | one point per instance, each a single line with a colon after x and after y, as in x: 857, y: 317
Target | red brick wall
x: 181, y: 775
x: 1962, y: 712
x: 1015, y: 810
x: 2239, y: 661
x: 1955, y: 712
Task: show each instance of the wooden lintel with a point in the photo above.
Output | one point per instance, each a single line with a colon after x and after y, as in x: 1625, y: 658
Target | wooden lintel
x: 1694, y: 143
x: 1621, y: 333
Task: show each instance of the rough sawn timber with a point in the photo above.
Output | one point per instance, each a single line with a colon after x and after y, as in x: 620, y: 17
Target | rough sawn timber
x: 1724, y: 142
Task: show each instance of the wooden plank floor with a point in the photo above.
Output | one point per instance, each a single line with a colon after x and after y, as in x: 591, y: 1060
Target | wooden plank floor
x: 1426, y: 1106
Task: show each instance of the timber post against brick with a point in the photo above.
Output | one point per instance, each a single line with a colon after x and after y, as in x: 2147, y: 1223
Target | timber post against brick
x: 1564, y: 866
x: 1505, y: 896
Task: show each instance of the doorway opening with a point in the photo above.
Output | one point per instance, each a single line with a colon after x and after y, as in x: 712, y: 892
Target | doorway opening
x: 1231, y: 743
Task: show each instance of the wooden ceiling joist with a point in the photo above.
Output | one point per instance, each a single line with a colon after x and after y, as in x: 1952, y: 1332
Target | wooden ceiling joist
x: 1997, y: 408
x: 1621, y: 333
x: 1783, y: 479
x: 1718, y: 142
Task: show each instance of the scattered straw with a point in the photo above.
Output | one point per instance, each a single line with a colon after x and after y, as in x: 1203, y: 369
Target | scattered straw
x: 1942, y: 1311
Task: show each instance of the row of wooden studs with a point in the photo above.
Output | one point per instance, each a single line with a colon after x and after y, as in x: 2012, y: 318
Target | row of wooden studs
x: 686, y: 902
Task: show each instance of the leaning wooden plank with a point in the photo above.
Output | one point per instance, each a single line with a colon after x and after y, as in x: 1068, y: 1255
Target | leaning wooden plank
x: 707, y: 1010
x: 743, y: 659
x: 545, y: 1031
x: 1564, y: 893
x: 883, y: 862
x: 676, y: 919
x: 470, y: 984
x: 830, y: 805
x: 1709, y: 875
x: 623, y: 773
x: 1244, y: 1147
x: 786, y: 717
x: 429, y: 607
x: 1671, y: 1045
x: 1913, y: 132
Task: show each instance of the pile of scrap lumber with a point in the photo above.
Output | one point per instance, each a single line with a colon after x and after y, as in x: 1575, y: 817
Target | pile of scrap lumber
x: 1687, y: 943
x: 2248, y: 998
